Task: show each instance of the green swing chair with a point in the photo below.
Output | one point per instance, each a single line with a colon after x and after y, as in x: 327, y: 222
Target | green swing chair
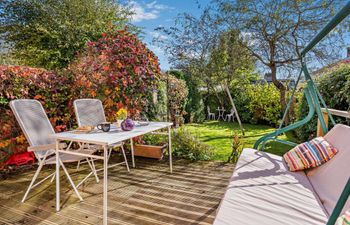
x: 314, y: 100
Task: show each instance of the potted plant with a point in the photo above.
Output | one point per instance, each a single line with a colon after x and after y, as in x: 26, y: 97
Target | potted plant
x: 150, y: 146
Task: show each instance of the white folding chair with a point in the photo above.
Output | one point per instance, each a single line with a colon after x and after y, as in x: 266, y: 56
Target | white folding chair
x: 90, y: 112
x: 36, y: 127
x: 211, y: 116
x: 230, y: 116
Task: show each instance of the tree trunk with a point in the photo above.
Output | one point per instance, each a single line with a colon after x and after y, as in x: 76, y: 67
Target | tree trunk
x: 283, y: 91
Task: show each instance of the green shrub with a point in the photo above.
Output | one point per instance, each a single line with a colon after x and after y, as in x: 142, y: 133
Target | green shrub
x: 188, y: 146
x: 153, y: 139
x: 255, y: 103
x: 335, y: 90
x: 264, y: 104
x: 184, y: 144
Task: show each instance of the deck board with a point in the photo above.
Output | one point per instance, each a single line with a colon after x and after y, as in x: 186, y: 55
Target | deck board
x: 149, y: 194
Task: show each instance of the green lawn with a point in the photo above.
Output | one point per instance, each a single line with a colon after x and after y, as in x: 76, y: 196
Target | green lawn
x: 218, y: 135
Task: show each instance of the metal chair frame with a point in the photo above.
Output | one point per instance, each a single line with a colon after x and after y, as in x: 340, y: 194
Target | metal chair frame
x: 45, y: 152
x: 95, y: 120
x: 211, y: 116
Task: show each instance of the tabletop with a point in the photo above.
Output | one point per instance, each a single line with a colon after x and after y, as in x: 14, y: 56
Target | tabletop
x: 114, y: 136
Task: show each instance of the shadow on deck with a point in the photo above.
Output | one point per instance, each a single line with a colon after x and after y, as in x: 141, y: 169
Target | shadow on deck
x: 149, y: 194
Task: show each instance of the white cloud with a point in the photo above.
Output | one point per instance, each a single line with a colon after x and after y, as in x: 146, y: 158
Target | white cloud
x: 157, y: 35
x: 148, y: 11
x: 155, y: 5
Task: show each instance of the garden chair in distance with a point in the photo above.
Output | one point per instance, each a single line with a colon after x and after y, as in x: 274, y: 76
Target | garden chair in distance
x: 90, y: 112
x: 230, y: 117
x: 37, y: 128
x: 211, y: 116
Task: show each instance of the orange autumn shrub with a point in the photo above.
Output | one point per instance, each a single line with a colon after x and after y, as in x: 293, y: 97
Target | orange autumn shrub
x: 118, y: 69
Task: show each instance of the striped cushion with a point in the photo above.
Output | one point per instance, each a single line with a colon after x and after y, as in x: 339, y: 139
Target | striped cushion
x: 344, y: 219
x: 309, y: 154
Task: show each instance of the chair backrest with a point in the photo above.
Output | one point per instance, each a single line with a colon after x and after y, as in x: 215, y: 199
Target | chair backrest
x: 330, y: 179
x: 89, y: 112
x: 34, y: 123
x: 208, y: 109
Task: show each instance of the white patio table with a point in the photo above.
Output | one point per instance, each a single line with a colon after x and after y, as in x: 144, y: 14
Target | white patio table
x: 221, y: 112
x: 105, y: 139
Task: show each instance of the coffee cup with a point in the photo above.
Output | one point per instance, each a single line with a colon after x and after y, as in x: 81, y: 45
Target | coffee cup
x: 105, y: 127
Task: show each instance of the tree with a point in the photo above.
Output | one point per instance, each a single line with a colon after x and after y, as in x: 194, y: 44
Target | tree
x: 191, y: 40
x: 49, y: 33
x: 194, y: 106
x: 277, y: 30
x: 228, y: 60
x: 202, y: 49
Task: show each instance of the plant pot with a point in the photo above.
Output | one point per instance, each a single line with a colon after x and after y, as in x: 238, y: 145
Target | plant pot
x: 150, y: 151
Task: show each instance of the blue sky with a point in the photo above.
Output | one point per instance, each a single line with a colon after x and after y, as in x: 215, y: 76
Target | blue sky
x: 152, y: 14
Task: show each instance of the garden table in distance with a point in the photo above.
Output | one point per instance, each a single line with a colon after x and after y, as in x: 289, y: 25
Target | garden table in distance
x: 105, y: 139
x: 221, y: 113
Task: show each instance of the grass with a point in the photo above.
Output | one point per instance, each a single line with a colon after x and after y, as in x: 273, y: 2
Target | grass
x: 218, y: 134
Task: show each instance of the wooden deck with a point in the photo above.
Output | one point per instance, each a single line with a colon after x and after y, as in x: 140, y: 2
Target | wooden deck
x: 149, y: 194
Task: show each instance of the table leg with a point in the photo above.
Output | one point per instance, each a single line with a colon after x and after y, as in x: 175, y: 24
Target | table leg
x: 132, y: 152
x: 57, y: 177
x: 169, y: 147
x: 105, y: 183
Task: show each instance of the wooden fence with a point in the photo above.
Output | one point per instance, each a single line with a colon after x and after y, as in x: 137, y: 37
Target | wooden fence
x: 345, y: 114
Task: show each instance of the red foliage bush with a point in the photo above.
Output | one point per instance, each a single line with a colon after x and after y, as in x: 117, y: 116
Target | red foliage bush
x: 50, y: 88
x: 118, y: 69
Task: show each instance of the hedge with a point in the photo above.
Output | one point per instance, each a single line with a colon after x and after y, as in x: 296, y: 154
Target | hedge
x: 334, y: 87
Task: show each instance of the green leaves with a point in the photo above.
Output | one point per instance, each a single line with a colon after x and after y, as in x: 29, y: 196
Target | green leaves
x: 334, y: 86
x: 50, y: 33
x: 188, y: 146
x: 264, y: 103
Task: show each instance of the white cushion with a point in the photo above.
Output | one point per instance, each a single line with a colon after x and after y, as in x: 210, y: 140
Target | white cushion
x: 329, y: 179
x: 262, y: 191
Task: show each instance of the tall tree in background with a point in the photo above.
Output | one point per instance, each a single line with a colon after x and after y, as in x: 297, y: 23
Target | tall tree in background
x: 277, y: 30
x: 48, y: 33
x: 189, y: 44
x: 228, y: 60
x: 205, y: 51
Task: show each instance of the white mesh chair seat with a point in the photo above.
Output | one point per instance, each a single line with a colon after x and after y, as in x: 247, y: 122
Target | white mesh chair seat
x: 37, y: 129
x: 34, y: 123
x: 90, y: 112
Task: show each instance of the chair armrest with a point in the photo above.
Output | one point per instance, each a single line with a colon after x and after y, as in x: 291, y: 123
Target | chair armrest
x: 45, y: 147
